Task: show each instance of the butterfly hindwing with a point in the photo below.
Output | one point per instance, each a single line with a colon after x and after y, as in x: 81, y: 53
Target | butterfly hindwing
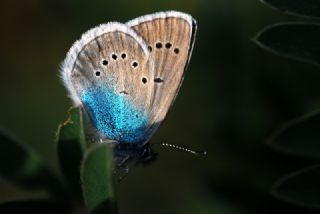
x: 109, y: 72
x: 170, y: 38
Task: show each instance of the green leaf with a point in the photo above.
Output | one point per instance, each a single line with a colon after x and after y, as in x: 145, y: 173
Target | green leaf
x: 20, y: 164
x: 34, y: 207
x: 97, y: 179
x: 71, y: 145
x: 297, y: 7
x: 294, y: 40
x: 300, y: 188
x: 299, y: 137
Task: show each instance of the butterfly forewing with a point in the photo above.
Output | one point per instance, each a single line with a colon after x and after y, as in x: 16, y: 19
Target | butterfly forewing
x: 116, y: 61
x: 112, y: 77
x: 170, y: 37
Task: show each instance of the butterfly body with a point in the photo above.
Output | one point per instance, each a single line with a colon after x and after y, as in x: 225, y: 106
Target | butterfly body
x: 126, y: 76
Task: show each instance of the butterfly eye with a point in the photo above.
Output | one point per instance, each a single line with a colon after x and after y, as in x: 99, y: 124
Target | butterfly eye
x: 150, y: 48
x: 176, y: 50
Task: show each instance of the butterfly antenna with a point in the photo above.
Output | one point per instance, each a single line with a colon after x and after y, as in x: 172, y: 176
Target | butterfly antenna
x: 184, y: 149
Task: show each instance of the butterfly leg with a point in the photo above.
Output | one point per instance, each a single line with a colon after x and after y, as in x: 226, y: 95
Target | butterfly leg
x: 122, y: 169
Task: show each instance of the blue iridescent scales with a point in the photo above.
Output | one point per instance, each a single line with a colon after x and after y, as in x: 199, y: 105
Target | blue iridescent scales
x: 115, y: 116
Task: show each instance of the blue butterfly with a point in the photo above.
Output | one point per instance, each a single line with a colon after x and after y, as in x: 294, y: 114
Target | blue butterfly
x: 126, y: 77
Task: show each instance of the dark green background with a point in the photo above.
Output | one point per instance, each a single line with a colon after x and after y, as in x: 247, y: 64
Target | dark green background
x: 234, y: 94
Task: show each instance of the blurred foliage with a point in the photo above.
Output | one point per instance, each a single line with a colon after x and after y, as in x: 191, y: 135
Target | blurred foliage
x: 233, y: 96
x: 21, y: 165
x: 95, y: 183
x: 309, y: 8
x: 301, y: 187
x: 304, y: 45
x: 300, y: 136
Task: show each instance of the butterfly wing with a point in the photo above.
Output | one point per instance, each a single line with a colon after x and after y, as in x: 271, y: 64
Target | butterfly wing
x: 170, y: 38
x: 109, y: 73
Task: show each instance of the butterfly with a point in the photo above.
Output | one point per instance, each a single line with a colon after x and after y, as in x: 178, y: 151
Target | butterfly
x: 126, y: 76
